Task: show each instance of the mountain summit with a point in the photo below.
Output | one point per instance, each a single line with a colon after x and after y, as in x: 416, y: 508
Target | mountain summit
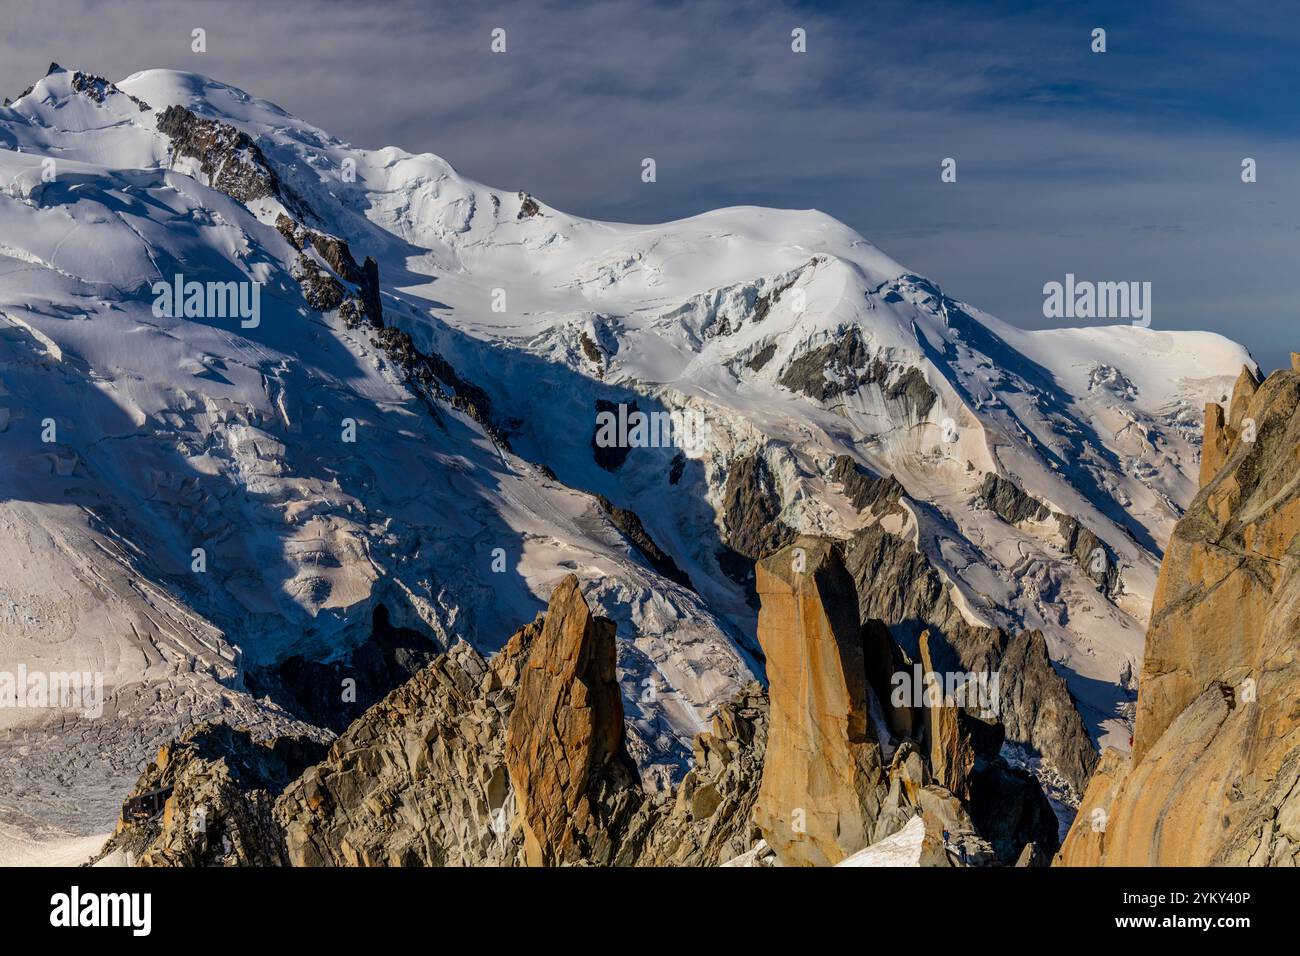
x: 365, y: 423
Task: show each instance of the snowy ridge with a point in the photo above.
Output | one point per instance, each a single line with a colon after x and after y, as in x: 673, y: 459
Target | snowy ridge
x: 176, y: 433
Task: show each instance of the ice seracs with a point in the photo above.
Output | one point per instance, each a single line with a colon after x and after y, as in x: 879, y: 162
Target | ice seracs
x: 180, y: 432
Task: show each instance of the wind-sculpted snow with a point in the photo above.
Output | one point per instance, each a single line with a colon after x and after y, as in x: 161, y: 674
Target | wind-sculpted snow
x: 231, y: 434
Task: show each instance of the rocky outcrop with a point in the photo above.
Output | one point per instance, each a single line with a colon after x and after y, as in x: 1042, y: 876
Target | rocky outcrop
x: 331, y: 280
x: 591, y: 351
x: 1214, y: 444
x: 951, y: 751
x: 511, y: 762
x: 760, y: 358
x: 100, y: 89
x: 843, y: 365
x: 1094, y: 556
x: 528, y: 207
x: 1009, y: 502
x: 1014, y: 506
x: 1036, y: 709
x: 629, y: 522
x: 564, y: 750
x: 752, y: 526
x: 710, y: 820
x: 522, y: 760
x: 236, y: 166
x: 208, y: 800
x: 89, y: 85
x: 1243, y: 393
x: 420, y: 779
x: 1214, y: 777
x: 897, y: 584
x: 846, y: 364
x: 430, y: 375
x: 323, y: 292
x: 362, y: 301
x: 230, y: 160
x: 751, y: 508
x: 867, y: 492
x: 824, y: 776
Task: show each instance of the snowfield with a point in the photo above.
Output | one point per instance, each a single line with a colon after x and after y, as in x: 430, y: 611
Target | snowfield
x: 898, y: 849
x: 172, y: 434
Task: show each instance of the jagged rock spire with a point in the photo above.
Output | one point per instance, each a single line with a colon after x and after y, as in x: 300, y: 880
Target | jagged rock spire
x: 564, y: 743
x: 824, y: 778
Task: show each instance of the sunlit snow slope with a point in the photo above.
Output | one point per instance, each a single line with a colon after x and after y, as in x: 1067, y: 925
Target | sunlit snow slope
x: 176, y: 434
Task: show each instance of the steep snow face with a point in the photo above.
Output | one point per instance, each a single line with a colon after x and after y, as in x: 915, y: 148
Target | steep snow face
x: 713, y: 315
x: 787, y: 335
x: 181, y: 497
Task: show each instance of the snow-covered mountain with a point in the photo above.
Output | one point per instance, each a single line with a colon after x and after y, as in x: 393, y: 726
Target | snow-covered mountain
x: 469, y: 358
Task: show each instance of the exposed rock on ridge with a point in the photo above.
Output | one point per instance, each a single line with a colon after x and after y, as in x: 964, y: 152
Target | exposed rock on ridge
x: 1015, y: 506
x: 522, y: 760
x: 564, y: 742
x: 231, y: 161
x: 824, y: 777
x: 216, y: 790
x: 1214, y: 778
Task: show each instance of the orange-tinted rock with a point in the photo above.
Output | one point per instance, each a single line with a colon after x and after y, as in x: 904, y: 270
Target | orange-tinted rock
x: 564, y: 743
x: 1214, y: 445
x: 823, y: 780
x: 1215, y: 773
x: 1243, y: 391
x: 952, y: 758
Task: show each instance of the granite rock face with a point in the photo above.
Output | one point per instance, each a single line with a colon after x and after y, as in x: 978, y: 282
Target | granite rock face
x: 208, y: 799
x: 824, y: 776
x: 897, y: 585
x: 710, y: 820
x: 565, y: 755
x: 420, y: 779
x: 517, y: 761
x: 1035, y: 708
x: 522, y: 760
x: 1214, y: 777
x: 951, y: 751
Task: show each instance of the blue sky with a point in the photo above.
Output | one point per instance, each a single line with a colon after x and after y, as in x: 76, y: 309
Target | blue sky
x: 1115, y: 166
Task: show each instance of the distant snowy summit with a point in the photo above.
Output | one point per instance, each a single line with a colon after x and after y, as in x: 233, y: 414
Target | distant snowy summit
x: 227, y: 518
